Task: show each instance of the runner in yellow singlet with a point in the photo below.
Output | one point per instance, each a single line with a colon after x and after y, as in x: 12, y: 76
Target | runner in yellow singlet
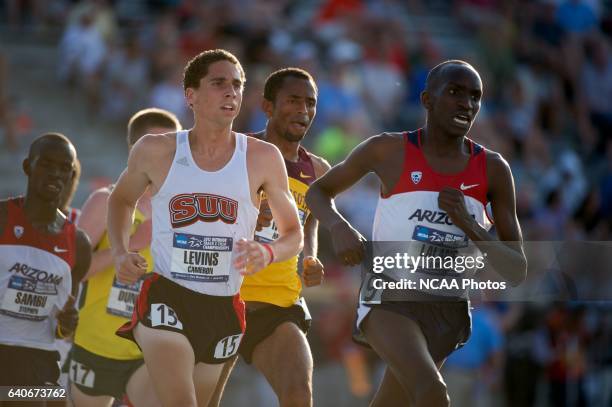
x: 103, y: 366
x: 277, y: 316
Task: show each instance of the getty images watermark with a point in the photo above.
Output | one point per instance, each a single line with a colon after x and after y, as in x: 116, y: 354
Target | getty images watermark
x: 556, y: 271
x: 402, y: 271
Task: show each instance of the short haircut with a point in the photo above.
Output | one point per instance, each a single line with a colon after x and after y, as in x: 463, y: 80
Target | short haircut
x: 275, y: 80
x: 44, y: 139
x: 434, y: 75
x: 197, y: 68
x: 143, y: 120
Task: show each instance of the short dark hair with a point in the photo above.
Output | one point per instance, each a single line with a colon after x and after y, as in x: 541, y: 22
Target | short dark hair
x: 274, y: 82
x: 45, y: 138
x: 433, y: 76
x: 197, y: 67
x: 147, y: 118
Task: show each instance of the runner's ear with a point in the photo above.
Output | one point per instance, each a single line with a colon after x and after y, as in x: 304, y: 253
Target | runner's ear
x: 26, y: 166
x: 268, y: 107
x: 425, y: 100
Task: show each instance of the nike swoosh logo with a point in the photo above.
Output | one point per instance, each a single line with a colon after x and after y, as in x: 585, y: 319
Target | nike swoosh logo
x: 302, y: 175
x: 58, y: 250
x: 464, y: 187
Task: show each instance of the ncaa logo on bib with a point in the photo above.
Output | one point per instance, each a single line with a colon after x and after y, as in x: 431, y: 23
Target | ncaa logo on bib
x: 18, y: 230
x: 416, y: 176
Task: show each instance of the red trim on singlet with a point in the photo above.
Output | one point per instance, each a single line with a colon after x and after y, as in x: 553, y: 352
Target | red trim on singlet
x: 20, y: 232
x: 73, y: 214
x: 475, y: 172
x: 240, y: 309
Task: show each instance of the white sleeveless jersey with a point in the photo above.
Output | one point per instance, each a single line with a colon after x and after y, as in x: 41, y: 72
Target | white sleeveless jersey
x: 197, y: 218
x: 35, y: 279
x: 410, y: 213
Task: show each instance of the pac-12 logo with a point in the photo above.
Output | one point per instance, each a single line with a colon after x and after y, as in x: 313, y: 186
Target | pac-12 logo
x: 186, y: 209
x: 18, y: 230
x: 416, y: 176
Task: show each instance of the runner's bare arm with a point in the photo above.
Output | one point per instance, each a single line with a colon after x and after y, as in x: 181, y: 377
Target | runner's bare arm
x: 364, y: 158
x: 507, y: 258
x: 130, y: 186
x: 93, y: 211
x: 348, y: 242
x: 312, y: 268
x: 276, y: 187
x: 68, y: 316
x: 83, y: 260
x: 311, y: 244
x: 267, y: 171
x: 311, y: 226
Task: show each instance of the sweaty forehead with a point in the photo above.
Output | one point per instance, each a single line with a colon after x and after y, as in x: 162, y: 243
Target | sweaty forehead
x: 460, y: 75
x: 297, y: 86
x: 56, y: 149
x: 224, y: 69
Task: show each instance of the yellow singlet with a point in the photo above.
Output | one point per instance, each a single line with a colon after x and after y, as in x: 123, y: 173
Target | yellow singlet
x: 106, y: 305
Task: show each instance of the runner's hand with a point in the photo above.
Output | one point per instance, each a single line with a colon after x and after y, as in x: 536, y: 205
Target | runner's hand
x: 68, y: 317
x: 312, y: 273
x: 251, y: 257
x: 452, y: 201
x: 349, y: 244
x: 130, y: 267
x: 264, y: 219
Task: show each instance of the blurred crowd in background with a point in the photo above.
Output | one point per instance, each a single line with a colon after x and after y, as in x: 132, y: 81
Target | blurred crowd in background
x: 547, y: 108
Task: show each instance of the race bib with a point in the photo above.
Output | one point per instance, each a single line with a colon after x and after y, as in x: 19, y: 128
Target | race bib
x: 28, y: 298
x: 206, y: 259
x: 81, y: 374
x: 439, y: 238
x: 122, y: 298
x: 267, y: 234
x: 443, y: 254
x: 227, y: 346
x: 162, y: 314
x: 270, y: 233
x: 368, y: 294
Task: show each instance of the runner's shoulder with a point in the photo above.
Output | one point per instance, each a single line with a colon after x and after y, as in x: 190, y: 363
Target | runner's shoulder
x: 496, y: 163
x: 151, y: 150
x: 320, y: 164
x: 101, y: 193
x: 155, y: 144
x: 261, y: 148
x: 378, y: 147
x: 499, y: 173
x: 96, y: 203
x: 387, y: 139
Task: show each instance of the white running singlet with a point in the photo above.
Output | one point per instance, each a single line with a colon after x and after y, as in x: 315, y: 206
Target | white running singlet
x: 197, y: 218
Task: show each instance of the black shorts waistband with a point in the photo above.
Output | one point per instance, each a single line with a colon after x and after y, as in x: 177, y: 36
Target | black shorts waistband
x: 177, y: 289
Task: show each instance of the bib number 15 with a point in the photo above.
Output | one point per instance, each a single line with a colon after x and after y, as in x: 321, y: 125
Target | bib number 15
x: 227, y: 346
